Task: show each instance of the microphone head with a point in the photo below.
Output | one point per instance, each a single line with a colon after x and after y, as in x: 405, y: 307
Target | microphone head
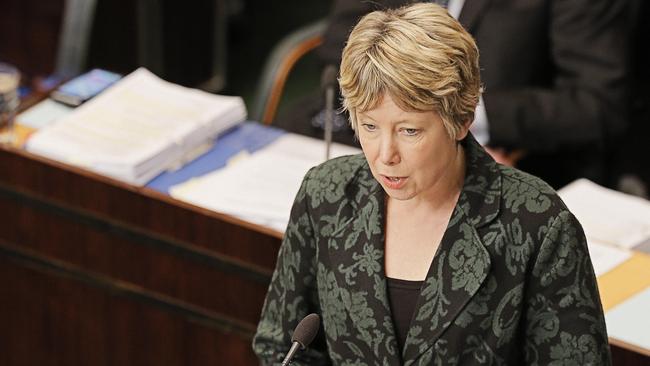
x: 306, y: 330
x: 328, y: 77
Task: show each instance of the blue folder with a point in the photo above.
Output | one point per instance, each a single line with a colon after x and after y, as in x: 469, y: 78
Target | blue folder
x: 249, y: 136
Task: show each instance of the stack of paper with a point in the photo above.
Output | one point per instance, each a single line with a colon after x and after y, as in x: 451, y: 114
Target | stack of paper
x: 609, y: 216
x: 613, y: 222
x: 137, y: 128
x: 260, y: 188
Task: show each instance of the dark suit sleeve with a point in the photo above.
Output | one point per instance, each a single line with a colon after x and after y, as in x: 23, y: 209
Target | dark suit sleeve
x: 584, y: 100
x: 564, y: 317
x: 344, y: 15
x: 292, y: 293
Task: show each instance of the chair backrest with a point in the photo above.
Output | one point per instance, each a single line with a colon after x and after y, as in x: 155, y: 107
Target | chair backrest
x: 278, y: 66
x: 76, y: 30
x: 78, y: 18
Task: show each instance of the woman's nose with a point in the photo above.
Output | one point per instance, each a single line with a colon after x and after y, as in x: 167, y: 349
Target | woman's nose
x: 389, y: 153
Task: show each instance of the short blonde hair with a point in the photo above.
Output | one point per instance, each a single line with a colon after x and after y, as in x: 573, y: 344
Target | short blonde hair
x: 420, y: 56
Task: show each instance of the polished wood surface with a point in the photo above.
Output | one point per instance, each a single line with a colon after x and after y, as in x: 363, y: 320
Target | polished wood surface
x: 98, y: 272
x: 95, y: 271
x: 55, y: 319
x: 29, y: 35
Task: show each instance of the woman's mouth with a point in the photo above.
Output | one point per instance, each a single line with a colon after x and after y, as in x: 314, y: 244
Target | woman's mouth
x: 393, y: 182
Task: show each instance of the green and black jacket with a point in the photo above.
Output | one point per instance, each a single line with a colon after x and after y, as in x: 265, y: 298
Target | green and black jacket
x: 511, y: 283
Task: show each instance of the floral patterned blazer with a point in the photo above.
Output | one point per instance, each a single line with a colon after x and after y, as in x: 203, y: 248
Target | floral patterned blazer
x: 511, y: 283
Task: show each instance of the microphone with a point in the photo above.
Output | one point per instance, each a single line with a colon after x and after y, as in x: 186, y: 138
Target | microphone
x: 302, y: 336
x: 328, y: 83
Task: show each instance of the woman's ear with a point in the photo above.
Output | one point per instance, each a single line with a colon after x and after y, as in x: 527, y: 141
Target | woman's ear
x: 462, y: 132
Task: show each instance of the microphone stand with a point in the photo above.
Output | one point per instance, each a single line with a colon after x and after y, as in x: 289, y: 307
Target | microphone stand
x: 329, y: 119
x: 295, y: 347
x: 328, y: 82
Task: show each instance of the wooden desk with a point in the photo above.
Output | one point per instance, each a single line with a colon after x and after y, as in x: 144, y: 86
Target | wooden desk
x: 97, y: 272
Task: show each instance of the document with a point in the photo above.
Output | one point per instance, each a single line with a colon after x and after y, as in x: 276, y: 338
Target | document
x: 137, y: 128
x: 606, y: 257
x: 630, y: 321
x: 627, y: 279
x: 608, y: 216
x: 43, y: 113
x: 261, y: 187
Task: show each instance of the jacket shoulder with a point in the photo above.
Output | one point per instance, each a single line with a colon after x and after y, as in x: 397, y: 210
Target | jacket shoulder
x: 535, y: 195
x: 329, y: 180
x: 339, y: 168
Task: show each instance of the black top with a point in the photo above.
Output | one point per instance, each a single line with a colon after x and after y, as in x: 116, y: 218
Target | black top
x: 402, y: 296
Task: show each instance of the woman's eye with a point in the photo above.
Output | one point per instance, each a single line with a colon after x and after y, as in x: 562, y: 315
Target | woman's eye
x: 369, y: 127
x: 410, y: 131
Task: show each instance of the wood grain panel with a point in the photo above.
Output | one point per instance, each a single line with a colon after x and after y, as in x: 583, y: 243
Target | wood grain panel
x: 50, y: 318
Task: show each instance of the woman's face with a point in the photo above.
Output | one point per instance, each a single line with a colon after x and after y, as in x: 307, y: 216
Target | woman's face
x: 409, y: 153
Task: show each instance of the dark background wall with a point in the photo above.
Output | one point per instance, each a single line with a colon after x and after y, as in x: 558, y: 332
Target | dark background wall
x: 29, y: 36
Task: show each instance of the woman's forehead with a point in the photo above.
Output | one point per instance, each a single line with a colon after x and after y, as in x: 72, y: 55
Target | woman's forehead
x: 386, y: 102
x: 387, y: 111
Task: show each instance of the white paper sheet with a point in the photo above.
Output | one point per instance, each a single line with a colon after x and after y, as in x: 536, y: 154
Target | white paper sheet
x: 43, y: 113
x: 606, y: 215
x: 260, y: 188
x: 606, y: 257
x: 630, y: 321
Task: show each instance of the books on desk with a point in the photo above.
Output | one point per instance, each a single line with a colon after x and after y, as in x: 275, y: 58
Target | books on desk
x: 138, y: 128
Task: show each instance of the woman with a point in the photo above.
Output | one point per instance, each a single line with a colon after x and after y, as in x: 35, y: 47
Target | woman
x: 423, y: 250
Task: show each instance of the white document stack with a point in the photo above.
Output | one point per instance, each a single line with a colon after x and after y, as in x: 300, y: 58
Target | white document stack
x: 260, y: 188
x: 614, y: 222
x: 138, y: 128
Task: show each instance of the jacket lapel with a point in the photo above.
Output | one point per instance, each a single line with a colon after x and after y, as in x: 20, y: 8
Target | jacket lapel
x: 462, y: 263
x: 471, y: 13
x: 356, y: 250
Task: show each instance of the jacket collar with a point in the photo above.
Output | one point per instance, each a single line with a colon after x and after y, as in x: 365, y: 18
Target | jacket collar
x: 458, y: 269
x: 481, y: 192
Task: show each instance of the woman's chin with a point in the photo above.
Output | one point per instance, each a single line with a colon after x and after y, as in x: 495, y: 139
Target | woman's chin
x: 398, y: 194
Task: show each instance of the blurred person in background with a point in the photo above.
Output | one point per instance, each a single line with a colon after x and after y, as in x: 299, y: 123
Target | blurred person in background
x: 554, y: 74
x: 631, y: 164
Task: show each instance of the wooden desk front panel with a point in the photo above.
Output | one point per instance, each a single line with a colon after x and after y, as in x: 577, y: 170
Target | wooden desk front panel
x: 48, y: 319
x: 83, y: 252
